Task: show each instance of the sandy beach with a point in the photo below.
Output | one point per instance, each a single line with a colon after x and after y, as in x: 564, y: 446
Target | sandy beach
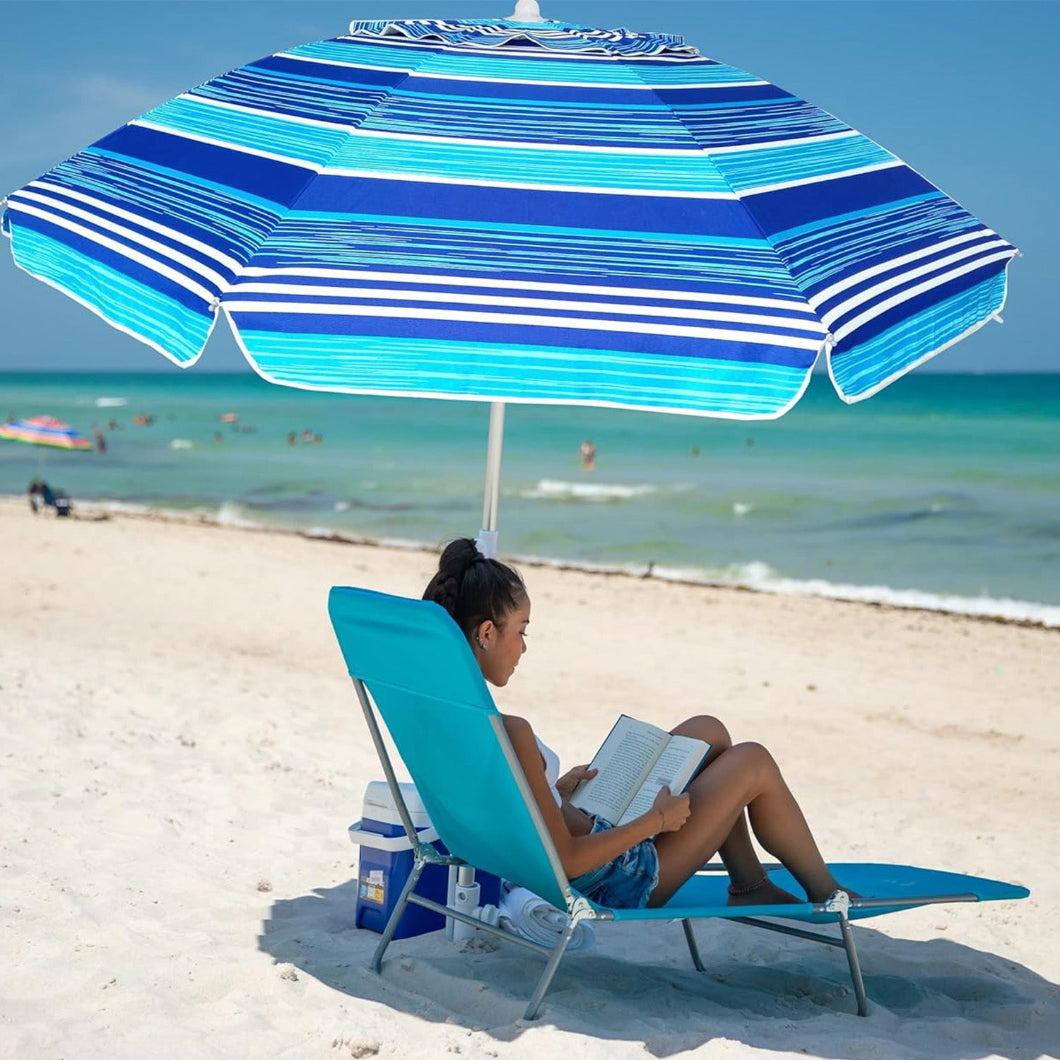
x: 182, y: 753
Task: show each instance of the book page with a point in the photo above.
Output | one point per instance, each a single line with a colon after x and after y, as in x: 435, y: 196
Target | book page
x: 674, y: 767
x: 624, y: 761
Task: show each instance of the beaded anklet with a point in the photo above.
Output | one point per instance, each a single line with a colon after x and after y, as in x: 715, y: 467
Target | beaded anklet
x: 737, y: 892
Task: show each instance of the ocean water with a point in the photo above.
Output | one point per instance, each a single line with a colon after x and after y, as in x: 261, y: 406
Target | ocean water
x: 943, y: 491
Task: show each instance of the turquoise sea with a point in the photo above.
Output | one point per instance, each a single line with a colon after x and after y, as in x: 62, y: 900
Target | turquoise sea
x: 942, y: 491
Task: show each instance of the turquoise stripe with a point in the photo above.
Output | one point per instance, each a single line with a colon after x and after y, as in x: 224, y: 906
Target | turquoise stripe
x: 679, y: 74
x: 277, y: 136
x: 149, y: 315
x: 839, y: 219
x: 629, y: 71
x: 677, y: 171
x: 745, y: 170
x: 494, y: 67
x: 650, y: 108
x: 524, y: 373
x: 532, y: 122
x: 754, y: 270
x: 863, y: 368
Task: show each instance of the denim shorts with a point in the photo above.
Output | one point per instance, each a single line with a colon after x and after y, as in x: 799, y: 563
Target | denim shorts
x: 626, y: 882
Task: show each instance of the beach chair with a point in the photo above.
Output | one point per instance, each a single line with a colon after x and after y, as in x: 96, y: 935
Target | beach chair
x: 410, y: 662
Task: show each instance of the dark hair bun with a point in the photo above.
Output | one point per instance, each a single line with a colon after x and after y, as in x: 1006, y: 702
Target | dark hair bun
x: 456, y: 558
x: 473, y: 588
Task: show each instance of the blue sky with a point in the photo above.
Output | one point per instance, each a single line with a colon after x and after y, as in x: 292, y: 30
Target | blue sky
x: 962, y: 90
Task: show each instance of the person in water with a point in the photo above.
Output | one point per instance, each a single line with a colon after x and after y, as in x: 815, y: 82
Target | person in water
x: 738, y: 788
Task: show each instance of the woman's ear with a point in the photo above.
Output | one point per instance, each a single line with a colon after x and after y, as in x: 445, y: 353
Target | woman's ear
x: 483, y: 635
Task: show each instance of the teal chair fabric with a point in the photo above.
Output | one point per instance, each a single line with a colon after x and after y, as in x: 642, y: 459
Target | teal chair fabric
x: 427, y: 686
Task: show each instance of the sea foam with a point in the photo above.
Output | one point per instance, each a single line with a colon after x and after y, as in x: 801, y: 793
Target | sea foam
x: 597, y: 492
x: 760, y: 577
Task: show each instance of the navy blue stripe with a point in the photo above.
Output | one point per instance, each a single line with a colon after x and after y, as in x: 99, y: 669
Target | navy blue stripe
x: 394, y: 306
x: 456, y: 202
x: 279, y: 182
x: 327, y: 73
x: 778, y: 211
x: 729, y: 95
x: 537, y: 337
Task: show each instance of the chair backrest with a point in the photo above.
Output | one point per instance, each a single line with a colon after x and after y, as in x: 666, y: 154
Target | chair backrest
x: 430, y: 693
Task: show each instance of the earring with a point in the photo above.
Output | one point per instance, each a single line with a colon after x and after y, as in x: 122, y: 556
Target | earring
x: 481, y: 646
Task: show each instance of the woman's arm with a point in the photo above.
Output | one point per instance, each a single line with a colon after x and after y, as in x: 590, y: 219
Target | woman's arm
x: 580, y: 853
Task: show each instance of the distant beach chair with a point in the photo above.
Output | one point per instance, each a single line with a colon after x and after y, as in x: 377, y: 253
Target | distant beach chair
x: 42, y: 496
x: 409, y: 659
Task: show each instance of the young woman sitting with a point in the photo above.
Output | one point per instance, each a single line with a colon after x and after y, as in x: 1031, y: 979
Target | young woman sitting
x: 644, y: 861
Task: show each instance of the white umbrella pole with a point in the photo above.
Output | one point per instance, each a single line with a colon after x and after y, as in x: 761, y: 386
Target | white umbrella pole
x: 487, y: 538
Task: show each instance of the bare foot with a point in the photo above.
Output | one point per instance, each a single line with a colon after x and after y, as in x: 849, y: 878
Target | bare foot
x: 768, y: 894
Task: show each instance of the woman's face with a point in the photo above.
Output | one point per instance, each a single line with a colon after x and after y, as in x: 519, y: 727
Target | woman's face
x: 499, y: 648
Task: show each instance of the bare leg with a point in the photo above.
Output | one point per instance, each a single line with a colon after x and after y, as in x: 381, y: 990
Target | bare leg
x: 742, y: 776
x: 737, y: 851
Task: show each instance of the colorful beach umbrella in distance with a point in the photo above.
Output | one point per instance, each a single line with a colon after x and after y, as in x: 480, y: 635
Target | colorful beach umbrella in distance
x: 45, y: 430
x: 515, y: 210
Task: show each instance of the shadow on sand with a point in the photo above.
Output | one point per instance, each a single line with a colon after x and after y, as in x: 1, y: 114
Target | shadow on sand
x: 927, y: 998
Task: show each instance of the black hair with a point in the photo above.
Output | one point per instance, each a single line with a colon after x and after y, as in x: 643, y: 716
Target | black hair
x: 473, y: 588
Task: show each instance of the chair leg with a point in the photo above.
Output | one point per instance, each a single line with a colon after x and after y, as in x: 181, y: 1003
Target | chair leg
x: 846, y: 941
x: 395, y: 916
x: 855, y: 965
x: 693, y: 946
x: 550, y: 970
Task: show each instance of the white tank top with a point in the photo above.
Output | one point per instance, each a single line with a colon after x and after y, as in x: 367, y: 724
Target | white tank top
x: 551, y: 769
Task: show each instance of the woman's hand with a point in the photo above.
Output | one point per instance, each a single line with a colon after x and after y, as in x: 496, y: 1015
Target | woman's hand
x: 668, y: 811
x: 572, y: 778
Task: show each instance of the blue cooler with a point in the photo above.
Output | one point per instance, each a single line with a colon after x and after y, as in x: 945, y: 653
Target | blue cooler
x: 385, y: 864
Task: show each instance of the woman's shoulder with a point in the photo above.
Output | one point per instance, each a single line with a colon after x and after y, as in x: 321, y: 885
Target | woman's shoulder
x: 517, y: 728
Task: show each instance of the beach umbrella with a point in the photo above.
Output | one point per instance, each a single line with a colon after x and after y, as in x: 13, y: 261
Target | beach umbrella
x: 516, y: 210
x: 45, y: 430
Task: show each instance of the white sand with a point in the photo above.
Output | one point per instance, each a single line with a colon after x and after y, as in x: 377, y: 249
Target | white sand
x: 182, y: 752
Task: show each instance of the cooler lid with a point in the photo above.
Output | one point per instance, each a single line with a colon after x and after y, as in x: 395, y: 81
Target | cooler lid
x: 379, y: 804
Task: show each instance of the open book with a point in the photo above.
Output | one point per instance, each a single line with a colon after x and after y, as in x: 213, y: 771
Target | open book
x: 635, y: 761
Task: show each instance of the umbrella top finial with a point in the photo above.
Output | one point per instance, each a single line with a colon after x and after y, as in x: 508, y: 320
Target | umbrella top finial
x: 526, y: 11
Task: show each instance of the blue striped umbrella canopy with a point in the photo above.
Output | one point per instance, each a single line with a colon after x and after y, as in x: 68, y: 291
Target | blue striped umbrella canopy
x: 515, y: 211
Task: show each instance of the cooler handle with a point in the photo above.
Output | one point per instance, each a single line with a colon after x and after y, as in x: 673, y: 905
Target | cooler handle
x: 391, y: 844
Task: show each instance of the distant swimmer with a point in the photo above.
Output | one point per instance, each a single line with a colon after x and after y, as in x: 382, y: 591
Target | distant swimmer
x: 588, y: 454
